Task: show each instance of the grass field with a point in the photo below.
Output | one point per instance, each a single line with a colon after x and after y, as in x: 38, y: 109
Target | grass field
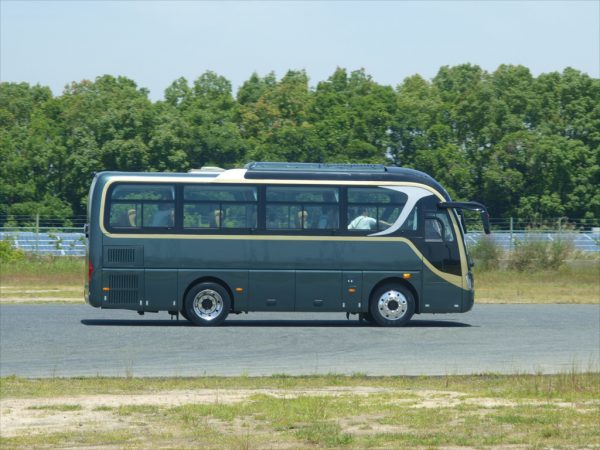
x: 42, y: 279
x: 61, y: 280
x: 520, y: 411
x: 565, y: 285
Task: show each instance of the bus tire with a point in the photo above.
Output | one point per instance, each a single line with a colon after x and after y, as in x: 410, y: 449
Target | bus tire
x: 366, y: 316
x: 207, y: 304
x: 184, y: 314
x: 392, y: 305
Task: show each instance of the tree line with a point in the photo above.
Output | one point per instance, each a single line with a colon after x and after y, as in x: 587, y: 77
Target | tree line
x: 525, y: 146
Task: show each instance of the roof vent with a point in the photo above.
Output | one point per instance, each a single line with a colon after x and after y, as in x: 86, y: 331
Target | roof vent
x: 314, y: 167
x: 205, y: 169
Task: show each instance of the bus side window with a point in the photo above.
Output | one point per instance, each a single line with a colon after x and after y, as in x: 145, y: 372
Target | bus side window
x: 434, y: 230
x: 302, y: 208
x: 162, y: 215
x: 124, y: 215
x: 438, y: 228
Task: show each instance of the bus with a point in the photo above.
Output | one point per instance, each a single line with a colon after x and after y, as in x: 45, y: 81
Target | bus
x: 383, y: 243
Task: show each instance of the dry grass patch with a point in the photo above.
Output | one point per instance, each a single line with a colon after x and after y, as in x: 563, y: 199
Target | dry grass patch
x: 565, y: 285
x: 304, y: 412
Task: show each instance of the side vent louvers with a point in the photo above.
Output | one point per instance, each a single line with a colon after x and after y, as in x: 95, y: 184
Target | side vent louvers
x: 121, y: 255
x: 124, y: 289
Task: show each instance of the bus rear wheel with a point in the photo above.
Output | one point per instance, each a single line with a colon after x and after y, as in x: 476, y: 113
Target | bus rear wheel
x: 207, y: 304
x: 392, y: 305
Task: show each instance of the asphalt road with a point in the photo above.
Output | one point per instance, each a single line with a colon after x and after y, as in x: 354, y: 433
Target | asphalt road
x: 78, y: 340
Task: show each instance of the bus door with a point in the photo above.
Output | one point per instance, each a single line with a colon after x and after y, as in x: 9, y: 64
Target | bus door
x: 441, y: 251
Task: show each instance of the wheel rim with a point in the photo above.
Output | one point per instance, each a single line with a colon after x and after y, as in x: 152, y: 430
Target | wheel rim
x: 392, y: 305
x: 208, y: 304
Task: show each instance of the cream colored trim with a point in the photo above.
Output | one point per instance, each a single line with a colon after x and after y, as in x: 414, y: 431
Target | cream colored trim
x: 461, y: 248
x: 453, y: 279
x: 218, y: 180
x: 176, y: 179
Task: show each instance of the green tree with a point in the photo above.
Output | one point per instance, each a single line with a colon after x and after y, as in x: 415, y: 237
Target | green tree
x: 353, y: 117
x: 106, y: 125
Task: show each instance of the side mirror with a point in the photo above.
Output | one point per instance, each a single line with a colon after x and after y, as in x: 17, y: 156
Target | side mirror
x: 471, y: 206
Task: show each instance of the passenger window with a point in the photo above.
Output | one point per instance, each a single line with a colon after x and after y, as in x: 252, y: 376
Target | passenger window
x: 219, y: 193
x: 143, y: 192
x: 134, y: 206
x: 220, y: 207
x: 302, y: 208
x: 159, y: 215
x: 125, y: 215
x: 374, y: 209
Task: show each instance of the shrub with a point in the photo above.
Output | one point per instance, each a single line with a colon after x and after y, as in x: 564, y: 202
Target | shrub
x: 540, y: 255
x: 10, y: 254
x: 559, y: 251
x: 486, y: 254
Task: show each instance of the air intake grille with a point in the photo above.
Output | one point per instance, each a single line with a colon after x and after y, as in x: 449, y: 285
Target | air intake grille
x: 123, y: 289
x: 121, y: 255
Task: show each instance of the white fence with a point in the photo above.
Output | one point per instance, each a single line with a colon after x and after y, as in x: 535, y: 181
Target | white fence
x: 68, y: 243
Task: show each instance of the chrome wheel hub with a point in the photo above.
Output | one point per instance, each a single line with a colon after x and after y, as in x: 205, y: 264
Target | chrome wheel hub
x: 392, y: 305
x: 208, y: 304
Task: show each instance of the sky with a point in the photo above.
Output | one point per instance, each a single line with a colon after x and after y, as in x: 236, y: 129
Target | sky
x: 53, y: 43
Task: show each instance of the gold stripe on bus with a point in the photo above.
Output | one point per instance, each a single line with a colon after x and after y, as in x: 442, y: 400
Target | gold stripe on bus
x: 456, y: 280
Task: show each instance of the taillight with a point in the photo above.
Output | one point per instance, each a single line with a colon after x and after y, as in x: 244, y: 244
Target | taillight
x: 90, y: 271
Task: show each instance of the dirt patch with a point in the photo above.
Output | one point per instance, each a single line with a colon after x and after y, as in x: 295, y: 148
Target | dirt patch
x: 15, y: 294
x: 20, y: 416
x: 41, y: 300
x: 43, y: 415
x: 13, y: 290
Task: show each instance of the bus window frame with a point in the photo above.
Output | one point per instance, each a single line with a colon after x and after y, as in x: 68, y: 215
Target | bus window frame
x: 261, y: 205
x: 263, y: 226
x: 140, y: 229
x: 220, y: 229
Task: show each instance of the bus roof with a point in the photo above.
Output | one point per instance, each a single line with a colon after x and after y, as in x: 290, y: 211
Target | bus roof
x: 303, y: 172
x: 341, y: 172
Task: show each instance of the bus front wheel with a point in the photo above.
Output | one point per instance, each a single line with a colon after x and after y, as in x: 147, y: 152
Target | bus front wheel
x: 392, y: 305
x: 207, y: 304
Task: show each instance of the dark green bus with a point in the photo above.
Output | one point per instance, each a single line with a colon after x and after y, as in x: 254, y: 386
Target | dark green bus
x: 381, y: 242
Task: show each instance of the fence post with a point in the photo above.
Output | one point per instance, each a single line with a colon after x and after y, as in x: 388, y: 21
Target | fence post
x: 37, y: 233
x: 510, y: 246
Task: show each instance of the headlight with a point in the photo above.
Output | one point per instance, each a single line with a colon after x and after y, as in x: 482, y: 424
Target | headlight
x: 469, y: 279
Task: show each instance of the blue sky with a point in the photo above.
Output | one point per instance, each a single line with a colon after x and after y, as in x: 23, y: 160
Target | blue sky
x: 152, y: 42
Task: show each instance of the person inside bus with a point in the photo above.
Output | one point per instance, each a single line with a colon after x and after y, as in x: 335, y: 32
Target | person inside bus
x: 126, y: 219
x: 217, y: 216
x: 132, y: 218
x: 365, y: 222
x: 164, y: 217
x: 328, y: 219
x: 302, y: 220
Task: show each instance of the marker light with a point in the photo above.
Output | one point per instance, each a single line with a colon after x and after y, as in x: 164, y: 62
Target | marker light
x: 406, y: 276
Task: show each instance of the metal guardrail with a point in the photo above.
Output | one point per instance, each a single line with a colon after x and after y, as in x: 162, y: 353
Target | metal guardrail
x: 69, y: 243
x: 506, y: 240
x: 54, y: 243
